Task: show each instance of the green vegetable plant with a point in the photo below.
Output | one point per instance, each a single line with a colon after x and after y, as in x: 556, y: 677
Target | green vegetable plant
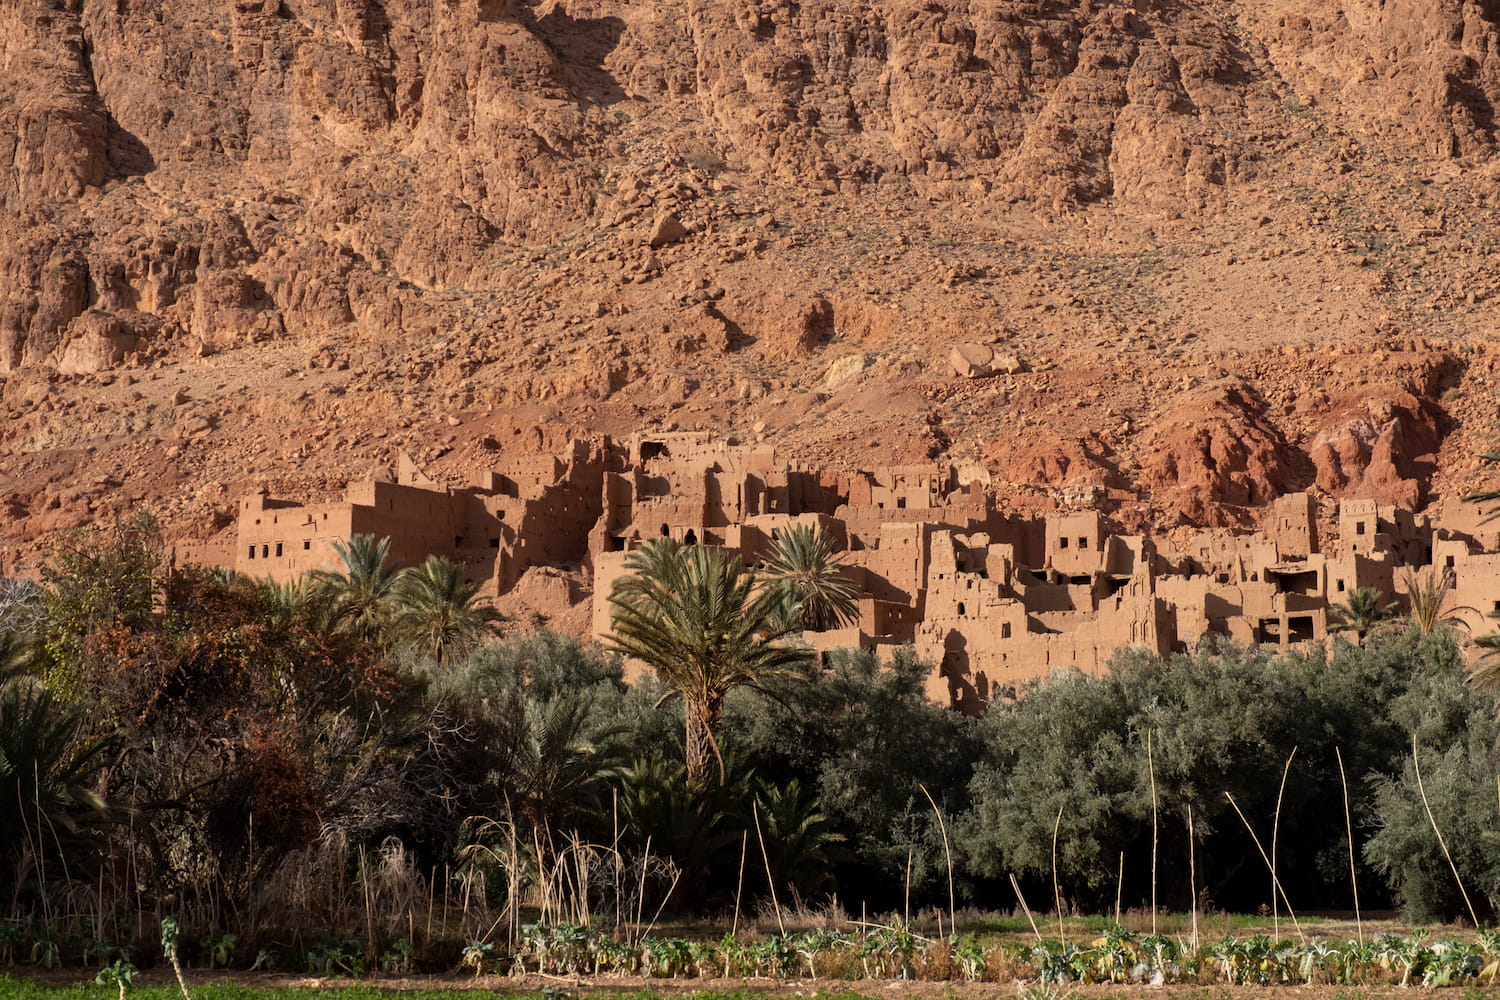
x: 120, y: 974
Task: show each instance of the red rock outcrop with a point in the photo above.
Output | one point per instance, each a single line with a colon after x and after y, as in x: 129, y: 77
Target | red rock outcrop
x: 1380, y: 442
x: 1216, y: 449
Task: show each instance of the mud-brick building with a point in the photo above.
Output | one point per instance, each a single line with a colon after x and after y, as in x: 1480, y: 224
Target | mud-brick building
x: 525, y: 513
x: 283, y: 539
x: 991, y: 599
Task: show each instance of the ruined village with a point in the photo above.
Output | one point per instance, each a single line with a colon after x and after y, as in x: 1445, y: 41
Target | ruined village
x: 990, y: 598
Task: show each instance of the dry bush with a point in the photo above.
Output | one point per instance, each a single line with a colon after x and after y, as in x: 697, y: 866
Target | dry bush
x: 936, y: 963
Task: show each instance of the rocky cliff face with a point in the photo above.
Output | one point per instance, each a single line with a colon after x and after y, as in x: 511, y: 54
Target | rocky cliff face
x: 683, y: 211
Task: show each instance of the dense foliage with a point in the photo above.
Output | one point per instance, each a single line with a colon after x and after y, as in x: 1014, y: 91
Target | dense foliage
x: 361, y: 761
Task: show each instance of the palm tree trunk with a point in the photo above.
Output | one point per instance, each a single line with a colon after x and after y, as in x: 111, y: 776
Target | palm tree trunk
x: 704, y: 765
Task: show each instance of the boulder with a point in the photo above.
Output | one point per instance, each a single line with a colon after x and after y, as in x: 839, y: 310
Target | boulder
x: 793, y: 326
x: 98, y: 341
x: 666, y: 229
x: 972, y: 360
x: 844, y: 369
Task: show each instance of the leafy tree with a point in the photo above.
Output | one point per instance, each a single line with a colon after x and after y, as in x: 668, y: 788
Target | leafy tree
x: 698, y: 619
x: 359, y: 592
x: 437, y: 613
x: 864, y: 735
x: 245, y: 735
x: 102, y: 578
x: 802, y: 573
x: 1223, y: 721
x: 1364, y: 611
x: 561, y: 753
x: 543, y: 723
x: 1455, y: 738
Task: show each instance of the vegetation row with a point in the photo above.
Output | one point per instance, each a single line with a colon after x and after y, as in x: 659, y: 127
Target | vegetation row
x: 365, y: 770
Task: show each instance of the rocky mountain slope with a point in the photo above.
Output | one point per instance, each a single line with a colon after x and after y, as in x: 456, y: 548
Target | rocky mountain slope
x: 1239, y: 248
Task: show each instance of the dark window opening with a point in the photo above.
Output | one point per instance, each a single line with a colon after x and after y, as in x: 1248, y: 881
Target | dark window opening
x: 961, y: 607
x: 1083, y: 543
x: 278, y: 550
x: 1359, y: 529
x: 1450, y: 562
x: 691, y: 538
x: 252, y: 552
x: 1005, y: 630
x: 306, y: 545
x: 1299, y: 629
x: 495, y: 544
x: 1062, y: 543
x: 901, y: 503
x: 654, y: 449
x: 458, y: 540
x: 265, y: 551
x: 1341, y: 586
x: 1080, y: 581
x: 666, y: 532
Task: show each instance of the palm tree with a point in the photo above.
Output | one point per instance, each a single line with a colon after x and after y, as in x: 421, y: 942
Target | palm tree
x: 698, y: 619
x: 1484, y: 675
x: 437, y: 611
x: 1364, y: 611
x: 561, y: 752
x: 803, y: 572
x: 359, y: 594
x: 797, y: 835
x: 47, y: 802
x: 19, y: 655
x: 1427, y: 591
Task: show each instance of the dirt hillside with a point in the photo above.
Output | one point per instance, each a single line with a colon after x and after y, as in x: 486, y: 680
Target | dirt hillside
x: 1211, y: 251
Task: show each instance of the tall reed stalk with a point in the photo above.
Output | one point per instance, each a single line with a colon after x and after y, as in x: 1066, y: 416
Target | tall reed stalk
x: 1359, y: 924
x: 1275, y: 834
x: 1275, y: 882
x: 1416, y: 764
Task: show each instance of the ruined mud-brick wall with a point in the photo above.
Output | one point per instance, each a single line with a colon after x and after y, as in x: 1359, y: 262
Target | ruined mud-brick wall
x: 991, y: 599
